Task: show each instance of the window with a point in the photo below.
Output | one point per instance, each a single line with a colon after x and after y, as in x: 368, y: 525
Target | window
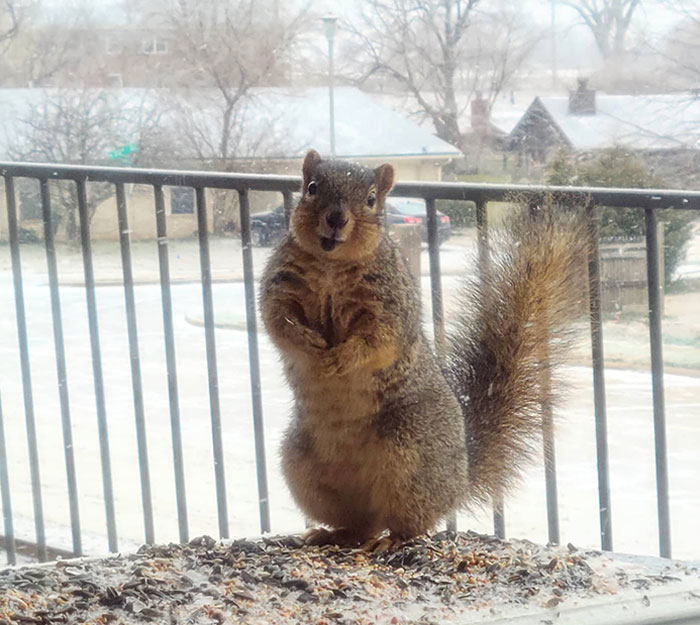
x: 154, y: 45
x: 113, y: 45
x: 29, y: 204
x: 114, y: 80
x: 181, y: 201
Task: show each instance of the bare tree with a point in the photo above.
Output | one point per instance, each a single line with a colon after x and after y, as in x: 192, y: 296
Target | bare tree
x: 680, y: 49
x: 232, y: 47
x: 12, y: 14
x: 608, y: 20
x: 442, y: 52
x: 85, y: 126
x: 50, y: 42
x: 47, y: 51
x: 198, y: 123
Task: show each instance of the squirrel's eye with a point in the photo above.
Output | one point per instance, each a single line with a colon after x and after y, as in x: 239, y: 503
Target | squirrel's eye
x: 371, y: 199
x: 312, y: 188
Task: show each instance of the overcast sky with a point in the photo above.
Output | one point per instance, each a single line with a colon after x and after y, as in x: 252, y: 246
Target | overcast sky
x: 576, y: 49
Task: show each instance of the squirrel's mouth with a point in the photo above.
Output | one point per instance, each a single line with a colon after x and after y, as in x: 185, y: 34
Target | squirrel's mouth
x: 328, y: 244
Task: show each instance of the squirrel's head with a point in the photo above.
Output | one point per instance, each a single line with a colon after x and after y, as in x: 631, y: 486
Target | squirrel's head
x: 341, y: 211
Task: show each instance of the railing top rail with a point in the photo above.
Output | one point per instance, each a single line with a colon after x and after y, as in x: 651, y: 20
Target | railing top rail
x: 476, y: 191
x: 148, y: 176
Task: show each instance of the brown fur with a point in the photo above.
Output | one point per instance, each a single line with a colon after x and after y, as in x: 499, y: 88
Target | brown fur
x: 377, y: 440
x: 512, y: 330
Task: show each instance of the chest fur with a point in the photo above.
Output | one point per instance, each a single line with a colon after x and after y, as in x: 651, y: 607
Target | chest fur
x: 335, y: 300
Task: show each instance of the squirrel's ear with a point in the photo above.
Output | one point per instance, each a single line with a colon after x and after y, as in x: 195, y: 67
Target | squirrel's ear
x: 311, y: 160
x: 385, y: 178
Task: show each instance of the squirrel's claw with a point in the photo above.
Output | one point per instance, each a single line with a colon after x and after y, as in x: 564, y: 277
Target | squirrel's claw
x: 383, y: 543
x: 320, y: 536
x: 313, y: 338
x: 317, y: 537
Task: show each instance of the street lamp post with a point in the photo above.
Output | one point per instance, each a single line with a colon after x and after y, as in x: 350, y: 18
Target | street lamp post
x: 553, y: 18
x: 329, y: 23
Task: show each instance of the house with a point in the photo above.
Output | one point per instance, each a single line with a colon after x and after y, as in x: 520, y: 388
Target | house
x: 272, y: 131
x: 586, y: 121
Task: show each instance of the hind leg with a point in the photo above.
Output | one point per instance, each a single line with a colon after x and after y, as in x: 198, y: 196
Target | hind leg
x: 417, y: 503
x: 310, y: 482
x: 423, y: 479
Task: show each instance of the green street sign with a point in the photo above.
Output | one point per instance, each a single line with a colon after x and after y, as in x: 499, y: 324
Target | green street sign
x: 124, y: 153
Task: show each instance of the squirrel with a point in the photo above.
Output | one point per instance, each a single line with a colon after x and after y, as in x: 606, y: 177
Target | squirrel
x: 386, y: 435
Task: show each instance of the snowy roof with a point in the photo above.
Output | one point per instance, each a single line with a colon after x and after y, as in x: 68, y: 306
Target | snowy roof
x: 505, y: 112
x: 300, y: 118
x: 643, y: 122
x: 275, y: 123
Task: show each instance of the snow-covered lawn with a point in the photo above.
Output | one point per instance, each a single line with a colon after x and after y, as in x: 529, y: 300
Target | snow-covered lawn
x: 628, y: 393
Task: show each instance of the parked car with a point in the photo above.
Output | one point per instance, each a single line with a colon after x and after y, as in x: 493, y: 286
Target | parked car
x: 406, y: 210
x: 267, y: 227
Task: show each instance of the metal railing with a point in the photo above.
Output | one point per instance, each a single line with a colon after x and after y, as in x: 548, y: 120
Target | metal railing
x: 648, y: 200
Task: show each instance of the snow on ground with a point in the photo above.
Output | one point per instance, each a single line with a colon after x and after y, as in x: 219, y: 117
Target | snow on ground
x: 628, y: 392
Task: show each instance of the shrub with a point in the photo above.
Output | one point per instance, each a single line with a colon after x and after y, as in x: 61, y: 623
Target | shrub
x: 616, y: 167
x: 462, y: 214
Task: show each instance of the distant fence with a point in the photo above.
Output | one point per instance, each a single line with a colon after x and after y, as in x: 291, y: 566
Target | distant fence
x: 243, y: 185
x: 623, y: 273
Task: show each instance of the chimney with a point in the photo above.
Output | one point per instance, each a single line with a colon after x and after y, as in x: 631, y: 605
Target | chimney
x: 582, y: 101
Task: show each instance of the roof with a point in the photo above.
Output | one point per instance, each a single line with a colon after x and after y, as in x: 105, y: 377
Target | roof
x: 505, y: 112
x: 300, y: 118
x: 642, y: 122
x: 276, y: 123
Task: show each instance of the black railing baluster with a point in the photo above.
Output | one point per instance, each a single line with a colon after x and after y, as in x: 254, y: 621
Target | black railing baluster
x: 499, y: 517
x: 550, y: 462
x: 436, y: 298
x: 5, y: 497
x: 135, y: 362
x: 288, y: 206
x: 537, y: 204
x: 171, y: 362
x: 27, y: 394
x: 601, y: 421
x: 254, y: 358
x: 484, y: 258
x: 482, y: 234
x: 435, y: 276
x: 657, y: 382
x: 210, y: 340
x: 93, y: 327
x: 59, y: 347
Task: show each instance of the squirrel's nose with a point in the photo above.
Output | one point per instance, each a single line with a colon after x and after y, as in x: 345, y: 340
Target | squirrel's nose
x: 337, y: 219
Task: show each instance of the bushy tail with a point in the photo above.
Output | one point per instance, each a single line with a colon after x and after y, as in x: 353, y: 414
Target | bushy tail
x: 514, y: 325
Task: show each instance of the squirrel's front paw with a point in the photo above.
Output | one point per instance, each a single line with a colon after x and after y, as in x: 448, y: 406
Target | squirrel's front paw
x: 313, y: 339
x: 334, y: 364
